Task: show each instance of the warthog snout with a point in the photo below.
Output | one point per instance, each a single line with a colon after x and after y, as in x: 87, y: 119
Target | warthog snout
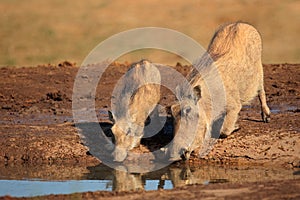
x: 119, y: 154
x: 124, y: 141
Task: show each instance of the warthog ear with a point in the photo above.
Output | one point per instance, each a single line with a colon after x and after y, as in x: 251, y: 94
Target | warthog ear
x: 175, y: 109
x: 197, y: 92
x: 178, y: 92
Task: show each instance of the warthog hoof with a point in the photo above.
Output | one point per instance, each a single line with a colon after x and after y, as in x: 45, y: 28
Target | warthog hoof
x: 265, y: 117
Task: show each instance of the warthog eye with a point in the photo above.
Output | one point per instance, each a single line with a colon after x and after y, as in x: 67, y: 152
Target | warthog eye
x: 128, y: 131
x: 186, y: 110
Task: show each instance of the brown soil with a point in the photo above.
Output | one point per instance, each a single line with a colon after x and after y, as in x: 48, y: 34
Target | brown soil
x: 36, y: 128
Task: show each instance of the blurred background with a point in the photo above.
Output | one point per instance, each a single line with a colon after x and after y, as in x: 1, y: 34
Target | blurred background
x: 50, y: 31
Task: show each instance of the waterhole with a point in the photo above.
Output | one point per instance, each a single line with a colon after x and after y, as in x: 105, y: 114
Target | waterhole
x: 30, y: 181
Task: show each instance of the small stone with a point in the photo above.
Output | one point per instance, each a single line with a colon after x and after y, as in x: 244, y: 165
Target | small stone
x: 6, y: 107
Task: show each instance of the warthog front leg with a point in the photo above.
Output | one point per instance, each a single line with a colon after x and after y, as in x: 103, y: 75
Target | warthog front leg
x: 265, y: 111
x: 231, y: 118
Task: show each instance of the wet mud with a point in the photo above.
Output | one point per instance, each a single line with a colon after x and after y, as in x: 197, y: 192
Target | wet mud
x: 37, y: 131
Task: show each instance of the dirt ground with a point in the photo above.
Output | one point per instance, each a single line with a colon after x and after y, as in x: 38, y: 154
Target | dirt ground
x: 36, y: 128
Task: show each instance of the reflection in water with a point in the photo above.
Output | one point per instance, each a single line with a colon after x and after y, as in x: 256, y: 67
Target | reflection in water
x: 186, y: 175
x: 126, y: 182
x: 80, y: 179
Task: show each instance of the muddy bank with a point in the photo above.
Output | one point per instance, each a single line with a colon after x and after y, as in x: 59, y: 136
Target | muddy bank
x: 39, y: 139
x: 36, y: 118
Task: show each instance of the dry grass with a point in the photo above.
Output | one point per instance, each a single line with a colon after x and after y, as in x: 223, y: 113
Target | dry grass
x: 34, y: 32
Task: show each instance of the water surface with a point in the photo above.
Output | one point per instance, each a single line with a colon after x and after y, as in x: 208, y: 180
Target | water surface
x: 29, y: 181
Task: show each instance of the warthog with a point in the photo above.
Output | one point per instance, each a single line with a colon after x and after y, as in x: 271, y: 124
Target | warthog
x: 134, y: 98
x: 235, y: 51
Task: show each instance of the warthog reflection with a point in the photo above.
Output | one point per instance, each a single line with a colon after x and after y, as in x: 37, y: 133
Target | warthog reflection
x: 184, y: 175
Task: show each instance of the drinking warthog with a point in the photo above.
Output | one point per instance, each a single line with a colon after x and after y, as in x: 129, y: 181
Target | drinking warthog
x: 134, y: 98
x: 235, y: 51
